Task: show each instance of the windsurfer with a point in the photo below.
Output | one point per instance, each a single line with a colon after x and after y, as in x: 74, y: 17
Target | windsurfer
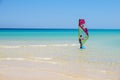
x: 83, y: 33
x: 80, y: 41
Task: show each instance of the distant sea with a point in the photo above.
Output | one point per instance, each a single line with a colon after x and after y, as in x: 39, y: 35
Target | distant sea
x: 57, y: 35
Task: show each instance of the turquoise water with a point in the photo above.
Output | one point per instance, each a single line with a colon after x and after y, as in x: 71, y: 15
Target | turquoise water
x: 51, y: 33
x: 98, y: 38
x: 63, y: 35
x: 38, y: 34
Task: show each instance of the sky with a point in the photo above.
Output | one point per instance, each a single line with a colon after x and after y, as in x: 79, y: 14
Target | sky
x: 98, y: 14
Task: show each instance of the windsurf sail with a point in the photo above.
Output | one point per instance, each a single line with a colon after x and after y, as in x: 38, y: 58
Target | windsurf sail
x: 82, y: 30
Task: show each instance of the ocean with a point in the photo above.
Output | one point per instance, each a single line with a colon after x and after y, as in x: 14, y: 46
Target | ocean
x: 60, y: 35
x: 40, y: 35
x: 99, y: 60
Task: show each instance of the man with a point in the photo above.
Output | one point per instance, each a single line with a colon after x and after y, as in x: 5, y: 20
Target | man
x: 80, y: 41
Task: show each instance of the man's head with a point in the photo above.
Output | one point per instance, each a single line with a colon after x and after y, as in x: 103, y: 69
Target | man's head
x: 80, y: 35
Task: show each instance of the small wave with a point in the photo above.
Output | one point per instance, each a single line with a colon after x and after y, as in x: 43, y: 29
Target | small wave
x: 41, y: 45
x: 8, y: 59
x: 31, y: 59
x: 40, y: 58
x: 38, y: 45
x: 59, y: 45
x: 7, y: 46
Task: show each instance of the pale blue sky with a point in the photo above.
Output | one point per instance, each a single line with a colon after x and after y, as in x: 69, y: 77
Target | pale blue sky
x: 59, y: 13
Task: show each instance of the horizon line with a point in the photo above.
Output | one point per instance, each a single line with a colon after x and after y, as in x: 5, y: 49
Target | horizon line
x: 58, y: 28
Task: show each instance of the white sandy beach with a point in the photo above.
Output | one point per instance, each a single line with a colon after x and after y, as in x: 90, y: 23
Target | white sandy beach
x: 54, y: 62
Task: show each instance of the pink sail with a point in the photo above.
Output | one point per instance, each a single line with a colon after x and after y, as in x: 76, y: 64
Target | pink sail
x: 82, y: 26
